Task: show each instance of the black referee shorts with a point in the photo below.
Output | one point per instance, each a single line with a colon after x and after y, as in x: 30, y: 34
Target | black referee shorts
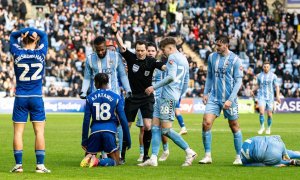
x: 139, y: 101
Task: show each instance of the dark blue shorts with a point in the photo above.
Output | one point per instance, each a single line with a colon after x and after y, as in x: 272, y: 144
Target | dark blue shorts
x: 32, y: 105
x: 102, y: 141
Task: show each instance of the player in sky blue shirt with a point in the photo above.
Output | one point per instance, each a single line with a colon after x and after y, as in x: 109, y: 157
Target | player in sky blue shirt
x: 173, y: 85
x: 29, y: 62
x: 268, y: 151
x: 104, y: 61
x: 106, y: 108
x: 266, y: 84
x: 224, y: 79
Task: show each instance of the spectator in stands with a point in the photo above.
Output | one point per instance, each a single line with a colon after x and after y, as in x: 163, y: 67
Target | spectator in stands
x: 22, y: 10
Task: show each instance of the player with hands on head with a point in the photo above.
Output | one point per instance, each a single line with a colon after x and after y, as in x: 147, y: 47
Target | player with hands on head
x: 29, y: 65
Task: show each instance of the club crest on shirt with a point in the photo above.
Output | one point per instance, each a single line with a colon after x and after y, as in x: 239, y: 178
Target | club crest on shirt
x: 241, y: 68
x: 147, y: 73
x: 111, y: 62
x: 171, y: 61
x: 135, y: 68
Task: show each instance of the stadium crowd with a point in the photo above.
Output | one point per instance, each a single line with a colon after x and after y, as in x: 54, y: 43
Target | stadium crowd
x: 256, y: 34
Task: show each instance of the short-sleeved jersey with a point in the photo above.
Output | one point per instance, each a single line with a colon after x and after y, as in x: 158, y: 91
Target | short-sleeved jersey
x: 178, y: 69
x: 29, y: 65
x: 223, y: 70
x: 103, y: 106
x: 112, y: 65
x: 140, y: 72
x: 265, y: 149
x: 267, y: 83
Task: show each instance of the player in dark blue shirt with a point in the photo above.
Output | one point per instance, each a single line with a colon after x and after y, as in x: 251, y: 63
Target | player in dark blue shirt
x: 29, y: 62
x: 107, y: 110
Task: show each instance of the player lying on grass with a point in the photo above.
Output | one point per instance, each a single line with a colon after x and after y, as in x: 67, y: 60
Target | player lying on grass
x: 268, y: 151
x: 105, y: 107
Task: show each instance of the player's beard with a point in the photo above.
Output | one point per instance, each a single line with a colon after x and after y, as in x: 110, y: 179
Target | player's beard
x: 102, y: 56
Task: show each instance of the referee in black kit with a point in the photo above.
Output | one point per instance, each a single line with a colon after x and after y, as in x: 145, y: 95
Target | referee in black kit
x: 140, y: 72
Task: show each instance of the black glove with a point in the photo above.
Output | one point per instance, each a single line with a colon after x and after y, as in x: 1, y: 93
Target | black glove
x: 82, y: 95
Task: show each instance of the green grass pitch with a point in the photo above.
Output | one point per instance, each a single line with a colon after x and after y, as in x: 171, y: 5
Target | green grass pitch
x: 64, y: 153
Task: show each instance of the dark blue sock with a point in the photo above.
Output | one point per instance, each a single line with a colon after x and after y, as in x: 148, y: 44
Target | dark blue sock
x: 107, y: 162
x: 180, y: 120
x: 269, y: 121
x: 18, y: 156
x: 261, y: 120
x: 40, y: 156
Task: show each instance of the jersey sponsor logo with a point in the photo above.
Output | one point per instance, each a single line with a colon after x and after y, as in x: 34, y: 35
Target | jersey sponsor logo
x: 147, y: 73
x: 135, y: 68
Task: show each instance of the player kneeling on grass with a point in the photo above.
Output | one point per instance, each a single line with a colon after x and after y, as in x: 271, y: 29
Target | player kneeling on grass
x: 268, y: 151
x: 105, y: 107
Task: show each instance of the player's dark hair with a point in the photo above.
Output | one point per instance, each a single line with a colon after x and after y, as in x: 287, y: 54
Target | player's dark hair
x: 152, y: 44
x: 27, y: 40
x: 223, y: 39
x: 166, y: 41
x: 99, y: 40
x: 267, y: 62
x: 101, y: 79
x: 141, y: 42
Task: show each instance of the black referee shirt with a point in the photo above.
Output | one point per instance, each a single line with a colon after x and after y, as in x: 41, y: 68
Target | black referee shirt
x: 140, y: 72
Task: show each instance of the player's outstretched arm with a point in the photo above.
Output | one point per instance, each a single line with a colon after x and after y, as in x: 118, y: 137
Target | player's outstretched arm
x: 171, y: 75
x: 124, y: 123
x: 86, y: 124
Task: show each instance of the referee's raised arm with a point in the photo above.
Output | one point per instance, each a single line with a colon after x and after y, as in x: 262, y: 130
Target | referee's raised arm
x: 118, y: 37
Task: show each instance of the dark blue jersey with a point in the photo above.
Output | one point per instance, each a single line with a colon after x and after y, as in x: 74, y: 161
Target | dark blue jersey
x: 105, y: 107
x: 29, y: 64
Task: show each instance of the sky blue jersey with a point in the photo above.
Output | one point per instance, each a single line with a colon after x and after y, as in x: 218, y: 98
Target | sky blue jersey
x: 106, y: 109
x: 175, y: 78
x: 224, y: 77
x: 112, y: 65
x: 29, y: 65
x: 267, y: 150
x: 267, y: 83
